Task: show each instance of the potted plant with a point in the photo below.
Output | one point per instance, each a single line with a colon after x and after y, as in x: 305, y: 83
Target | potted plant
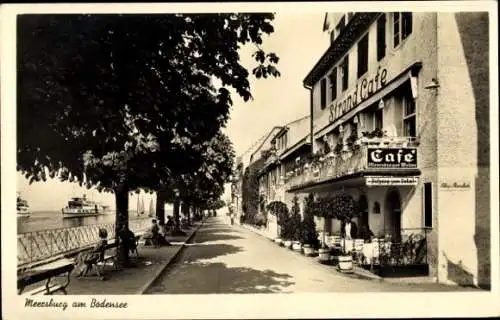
x: 280, y: 210
x: 344, y: 208
x: 351, y: 141
x: 309, y: 234
x: 286, y: 233
x: 323, y: 209
x: 337, y: 150
x: 295, y: 225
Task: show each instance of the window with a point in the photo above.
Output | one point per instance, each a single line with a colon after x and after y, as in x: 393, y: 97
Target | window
x: 333, y: 84
x: 381, y: 38
x: 396, y: 23
x: 428, y: 204
x: 402, y: 26
x: 345, y: 73
x: 379, y: 119
x: 407, y: 24
x: 409, y: 117
x: 363, y: 56
x: 340, y: 26
x: 332, y: 36
x: 323, y: 93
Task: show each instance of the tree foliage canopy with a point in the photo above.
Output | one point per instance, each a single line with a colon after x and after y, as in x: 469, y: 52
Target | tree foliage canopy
x: 100, y: 95
x: 339, y: 206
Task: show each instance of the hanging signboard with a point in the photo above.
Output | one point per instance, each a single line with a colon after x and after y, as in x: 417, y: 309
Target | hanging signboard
x: 392, y: 158
x: 391, y: 181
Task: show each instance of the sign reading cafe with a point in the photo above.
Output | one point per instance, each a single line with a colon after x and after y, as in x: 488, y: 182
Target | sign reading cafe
x: 392, y: 158
x: 364, y: 89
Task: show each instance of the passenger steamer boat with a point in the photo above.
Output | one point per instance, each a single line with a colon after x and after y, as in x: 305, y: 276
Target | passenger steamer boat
x: 22, y: 208
x: 81, y: 207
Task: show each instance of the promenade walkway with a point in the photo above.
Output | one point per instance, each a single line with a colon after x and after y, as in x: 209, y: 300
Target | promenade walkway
x: 223, y: 259
x: 148, y: 265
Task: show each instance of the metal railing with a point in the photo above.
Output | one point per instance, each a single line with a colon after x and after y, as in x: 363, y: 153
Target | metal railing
x: 408, y: 248
x: 348, y: 162
x: 40, y: 245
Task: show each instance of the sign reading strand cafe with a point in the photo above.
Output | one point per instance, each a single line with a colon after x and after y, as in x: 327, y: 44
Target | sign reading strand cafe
x: 392, y: 158
x: 363, y: 90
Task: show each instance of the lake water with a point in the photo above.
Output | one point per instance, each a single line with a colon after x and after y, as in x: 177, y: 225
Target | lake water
x: 43, y: 220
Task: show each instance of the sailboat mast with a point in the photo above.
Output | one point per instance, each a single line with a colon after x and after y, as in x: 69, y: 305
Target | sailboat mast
x: 151, y: 208
x: 138, y: 211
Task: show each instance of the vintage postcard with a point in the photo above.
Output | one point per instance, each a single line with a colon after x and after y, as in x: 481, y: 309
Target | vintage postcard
x: 250, y: 160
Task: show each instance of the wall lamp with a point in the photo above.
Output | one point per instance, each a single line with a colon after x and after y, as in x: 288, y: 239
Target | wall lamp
x: 433, y: 84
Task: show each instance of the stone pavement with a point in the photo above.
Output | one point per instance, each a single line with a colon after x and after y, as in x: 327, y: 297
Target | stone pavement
x: 148, y: 265
x: 231, y: 259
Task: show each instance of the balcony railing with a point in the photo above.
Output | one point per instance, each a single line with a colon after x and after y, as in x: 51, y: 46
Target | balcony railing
x: 40, y: 245
x: 349, y: 161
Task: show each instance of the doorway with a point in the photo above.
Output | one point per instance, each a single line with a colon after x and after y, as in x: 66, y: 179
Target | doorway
x: 393, y: 215
x: 363, y: 212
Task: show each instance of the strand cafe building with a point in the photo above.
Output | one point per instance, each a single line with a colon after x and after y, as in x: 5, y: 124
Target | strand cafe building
x: 399, y: 107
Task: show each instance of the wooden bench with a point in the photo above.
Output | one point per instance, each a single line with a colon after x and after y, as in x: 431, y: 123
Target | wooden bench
x: 109, y: 258
x: 46, y: 272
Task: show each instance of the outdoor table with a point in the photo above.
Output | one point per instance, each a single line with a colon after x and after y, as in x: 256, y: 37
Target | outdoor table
x: 47, y: 272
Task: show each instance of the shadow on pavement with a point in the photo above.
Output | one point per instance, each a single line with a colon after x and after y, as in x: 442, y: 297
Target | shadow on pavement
x: 219, y: 228
x: 218, y: 278
x: 221, y: 236
x: 199, y: 251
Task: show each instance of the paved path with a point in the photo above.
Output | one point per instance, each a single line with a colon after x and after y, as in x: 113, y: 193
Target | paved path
x: 148, y: 265
x: 232, y: 259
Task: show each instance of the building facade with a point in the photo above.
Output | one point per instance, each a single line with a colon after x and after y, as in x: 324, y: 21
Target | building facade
x: 243, y: 199
x: 289, y: 145
x: 399, y: 121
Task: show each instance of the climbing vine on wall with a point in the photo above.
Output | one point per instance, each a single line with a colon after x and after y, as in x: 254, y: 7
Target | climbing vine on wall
x: 250, y: 190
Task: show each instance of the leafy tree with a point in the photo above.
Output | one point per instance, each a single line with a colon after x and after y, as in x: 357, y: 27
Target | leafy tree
x: 323, y: 208
x: 344, y: 207
x: 309, y: 233
x: 207, y: 184
x: 340, y: 206
x: 280, y: 210
x: 114, y: 106
x: 250, y: 190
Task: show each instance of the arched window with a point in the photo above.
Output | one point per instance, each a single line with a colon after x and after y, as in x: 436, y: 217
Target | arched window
x: 376, y: 207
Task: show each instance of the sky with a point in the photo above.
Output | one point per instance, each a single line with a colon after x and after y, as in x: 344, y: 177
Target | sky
x: 299, y: 42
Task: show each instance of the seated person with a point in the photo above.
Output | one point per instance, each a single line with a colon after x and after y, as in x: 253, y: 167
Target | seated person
x: 87, y: 259
x: 170, y: 224
x: 127, y: 237
x: 152, y: 236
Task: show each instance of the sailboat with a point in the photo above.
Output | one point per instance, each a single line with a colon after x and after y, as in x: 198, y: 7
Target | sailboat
x: 151, y: 208
x: 140, y: 206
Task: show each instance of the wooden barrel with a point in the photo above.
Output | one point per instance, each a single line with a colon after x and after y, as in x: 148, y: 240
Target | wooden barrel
x: 345, y: 264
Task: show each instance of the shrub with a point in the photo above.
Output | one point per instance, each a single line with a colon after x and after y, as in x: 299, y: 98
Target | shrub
x: 309, y: 233
x: 260, y: 220
x: 280, y: 210
x: 295, y: 221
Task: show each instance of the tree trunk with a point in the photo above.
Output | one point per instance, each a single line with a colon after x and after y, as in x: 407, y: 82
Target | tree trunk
x: 324, y: 231
x: 177, y: 230
x: 188, y: 212
x: 121, y: 219
x: 161, y: 199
